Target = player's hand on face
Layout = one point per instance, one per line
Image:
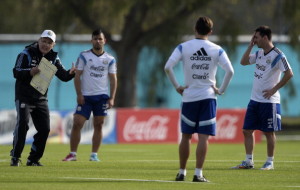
(252, 42)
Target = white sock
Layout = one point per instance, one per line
(249, 157)
(182, 171)
(198, 172)
(270, 159)
(73, 153)
(94, 153)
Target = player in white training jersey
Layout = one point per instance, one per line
(263, 111)
(200, 59)
(95, 83)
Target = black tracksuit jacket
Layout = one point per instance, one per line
(28, 58)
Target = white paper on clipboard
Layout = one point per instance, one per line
(42, 80)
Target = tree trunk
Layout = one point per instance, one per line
(127, 68)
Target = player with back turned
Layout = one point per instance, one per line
(200, 59)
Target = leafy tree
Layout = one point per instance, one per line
(153, 24)
(140, 23)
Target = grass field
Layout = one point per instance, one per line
(143, 167)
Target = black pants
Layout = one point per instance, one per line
(39, 112)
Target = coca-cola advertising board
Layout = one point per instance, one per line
(147, 125)
(163, 126)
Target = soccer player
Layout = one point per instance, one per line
(263, 111)
(30, 102)
(200, 59)
(96, 84)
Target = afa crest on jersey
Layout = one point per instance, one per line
(268, 61)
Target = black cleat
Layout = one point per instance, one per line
(15, 162)
(199, 179)
(180, 177)
(33, 163)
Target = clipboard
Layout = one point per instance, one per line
(42, 80)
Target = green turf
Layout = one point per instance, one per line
(126, 166)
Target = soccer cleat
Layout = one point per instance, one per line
(15, 162)
(244, 165)
(180, 177)
(33, 163)
(94, 158)
(70, 157)
(267, 166)
(199, 179)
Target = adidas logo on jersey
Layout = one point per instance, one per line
(200, 55)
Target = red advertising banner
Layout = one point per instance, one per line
(163, 126)
(147, 126)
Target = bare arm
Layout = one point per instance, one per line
(113, 89)
(77, 84)
(245, 58)
(288, 74)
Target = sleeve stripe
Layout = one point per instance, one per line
(220, 52)
(20, 61)
(277, 58)
(256, 54)
(180, 48)
(83, 58)
(112, 62)
(282, 58)
(285, 64)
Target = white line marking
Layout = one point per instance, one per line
(195, 160)
(6, 160)
(293, 186)
(137, 180)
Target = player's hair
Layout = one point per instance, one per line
(204, 25)
(97, 32)
(264, 31)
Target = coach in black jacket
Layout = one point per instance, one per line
(29, 101)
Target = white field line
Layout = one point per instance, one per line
(143, 180)
(298, 161)
(293, 186)
(136, 180)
